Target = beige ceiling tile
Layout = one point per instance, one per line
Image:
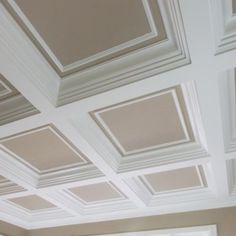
(75, 30)
(146, 123)
(173, 180)
(97, 192)
(32, 202)
(44, 148)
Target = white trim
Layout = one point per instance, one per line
(7, 89)
(224, 22)
(209, 230)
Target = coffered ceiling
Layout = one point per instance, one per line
(115, 109)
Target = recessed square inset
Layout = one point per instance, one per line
(150, 122)
(179, 179)
(80, 29)
(99, 192)
(43, 149)
(32, 203)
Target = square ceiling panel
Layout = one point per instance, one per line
(94, 193)
(89, 31)
(151, 122)
(179, 179)
(32, 203)
(43, 149)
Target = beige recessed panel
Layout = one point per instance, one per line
(79, 31)
(76, 29)
(96, 192)
(150, 122)
(44, 149)
(32, 202)
(174, 179)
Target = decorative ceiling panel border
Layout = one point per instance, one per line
(9, 91)
(14, 211)
(231, 171)
(206, 191)
(74, 203)
(176, 95)
(40, 179)
(166, 55)
(208, 230)
(157, 33)
(13, 105)
(224, 25)
(182, 152)
(163, 56)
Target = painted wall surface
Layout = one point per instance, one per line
(225, 218)
(11, 230)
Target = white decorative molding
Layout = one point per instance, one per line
(224, 25)
(7, 187)
(7, 90)
(72, 201)
(18, 50)
(166, 55)
(231, 171)
(173, 93)
(227, 85)
(15, 108)
(208, 230)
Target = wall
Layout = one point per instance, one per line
(225, 219)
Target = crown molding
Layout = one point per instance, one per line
(227, 85)
(166, 55)
(231, 172)
(224, 25)
(15, 108)
(208, 230)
